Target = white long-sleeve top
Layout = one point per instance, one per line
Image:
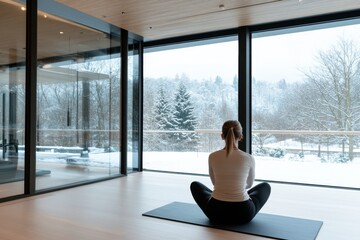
(231, 175)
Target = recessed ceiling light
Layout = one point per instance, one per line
(222, 7)
(45, 16)
(23, 8)
(61, 32)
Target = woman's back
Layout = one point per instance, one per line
(231, 175)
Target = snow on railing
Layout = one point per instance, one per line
(275, 132)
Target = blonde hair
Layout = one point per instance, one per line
(231, 130)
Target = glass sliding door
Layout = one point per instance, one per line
(189, 91)
(306, 104)
(12, 97)
(78, 103)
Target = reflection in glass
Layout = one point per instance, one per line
(12, 98)
(78, 103)
(188, 93)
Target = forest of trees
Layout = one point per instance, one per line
(327, 100)
(174, 108)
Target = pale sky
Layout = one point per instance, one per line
(281, 57)
(273, 58)
(221, 59)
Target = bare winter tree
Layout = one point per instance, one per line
(330, 98)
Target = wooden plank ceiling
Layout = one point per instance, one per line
(159, 19)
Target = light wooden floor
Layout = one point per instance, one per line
(112, 210)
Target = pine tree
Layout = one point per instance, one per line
(163, 111)
(184, 119)
(163, 119)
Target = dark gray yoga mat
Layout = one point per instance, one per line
(265, 225)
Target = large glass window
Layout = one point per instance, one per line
(188, 92)
(78, 103)
(306, 105)
(12, 97)
(133, 105)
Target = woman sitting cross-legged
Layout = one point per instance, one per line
(232, 173)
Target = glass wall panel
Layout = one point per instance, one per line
(306, 105)
(189, 91)
(78, 103)
(12, 97)
(133, 106)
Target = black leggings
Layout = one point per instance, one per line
(230, 212)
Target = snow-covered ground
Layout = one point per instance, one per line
(310, 169)
(289, 168)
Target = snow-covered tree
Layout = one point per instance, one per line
(330, 98)
(163, 116)
(184, 119)
(163, 120)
